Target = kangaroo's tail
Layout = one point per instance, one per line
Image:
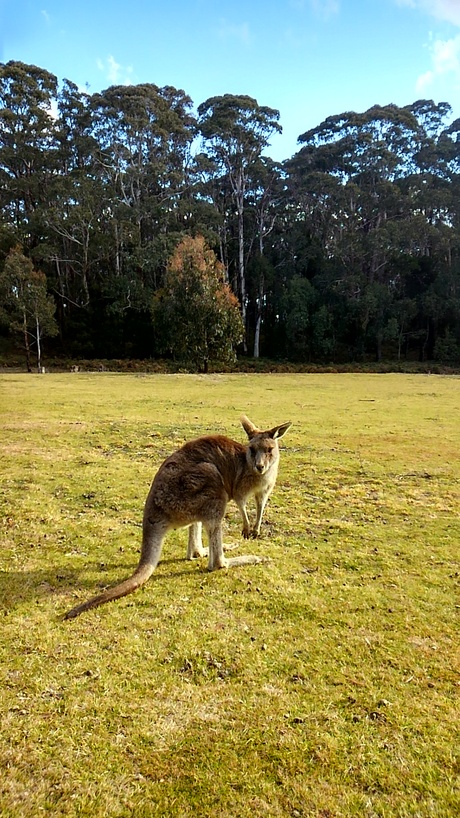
(140, 577)
(152, 540)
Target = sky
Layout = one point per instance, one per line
(309, 59)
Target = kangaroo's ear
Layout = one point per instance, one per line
(279, 431)
(248, 427)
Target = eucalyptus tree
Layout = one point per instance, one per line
(344, 182)
(130, 198)
(144, 133)
(73, 224)
(235, 131)
(376, 191)
(431, 238)
(27, 309)
(213, 196)
(27, 142)
(264, 207)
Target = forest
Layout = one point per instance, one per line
(136, 225)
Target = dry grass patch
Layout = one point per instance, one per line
(324, 683)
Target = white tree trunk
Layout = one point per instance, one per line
(39, 348)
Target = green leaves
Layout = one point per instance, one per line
(196, 316)
(29, 309)
(99, 190)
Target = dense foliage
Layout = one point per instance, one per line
(350, 248)
(195, 314)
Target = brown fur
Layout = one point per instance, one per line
(192, 487)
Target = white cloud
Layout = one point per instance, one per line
(448, 10)
(445, 53)
(46, 16)
(113, 69)
(115, 73)
(424, 81)
(445, 58)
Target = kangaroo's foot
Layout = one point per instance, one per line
(197, 553)
(204, 552)
(244, 559)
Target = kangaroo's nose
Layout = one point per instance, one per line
(260, 467)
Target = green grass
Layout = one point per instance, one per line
(325, 683)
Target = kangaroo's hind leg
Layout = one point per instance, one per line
(217, 559)
(195, 547)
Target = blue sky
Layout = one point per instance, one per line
(308, 58)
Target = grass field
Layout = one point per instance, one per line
(324, 683)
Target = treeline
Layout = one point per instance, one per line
(347, 250)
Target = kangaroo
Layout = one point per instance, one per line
(192, 488)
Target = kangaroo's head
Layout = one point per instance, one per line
(262, 452)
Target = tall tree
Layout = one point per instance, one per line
(353, 178)
(265, 203)
(27, 308)
(27, 140)
(196, 315)
(73, 222)
(235, 131)
(144, 134)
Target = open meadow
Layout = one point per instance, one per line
(324, 683)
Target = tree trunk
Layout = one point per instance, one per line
(117, 251)
(259, 303)
(257, 333)
(39, 348)
(26, 342)
(259, 300)
(238, 186)
(241, 272)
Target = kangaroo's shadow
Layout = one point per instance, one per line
(18, 587)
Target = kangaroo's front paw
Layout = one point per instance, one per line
(251, 534)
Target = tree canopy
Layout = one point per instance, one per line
(195, 314)
(348, 249)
